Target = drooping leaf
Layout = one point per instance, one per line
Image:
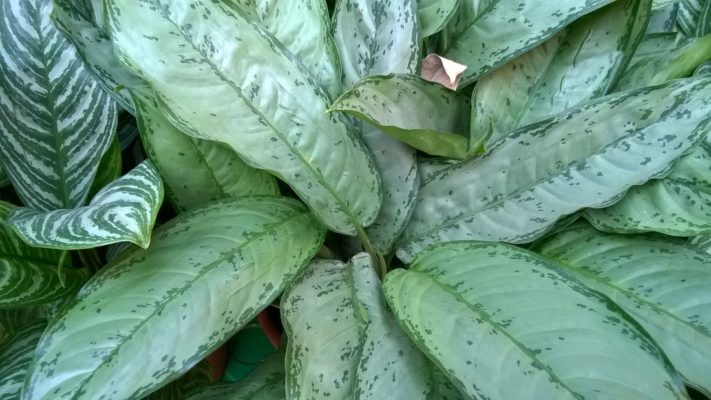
(359, 350)
(207, 273)
(109, 167)
(273, 116)
(663, 19)
(663, 283)
(487, 34)
(422, 114)
(580, 63)
(31, 275)
(123, 211)
(196, 171)
(433, 15)
(55, 120)
(584, 158)
(694, 17)
(677, 205)
(16, 353)
(491, 314)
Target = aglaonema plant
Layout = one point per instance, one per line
(538, 232)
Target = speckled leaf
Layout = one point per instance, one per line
(266, 382)
(677, 205)
(31, 275)
(196, 171)
(207, 273)
(433, 15)
(694, 17)
(512, 316)
(422, 114)
(663, 19)
(487, 34)
(273, 115)
(197, 377)
(663, 283)
(580, 63)
(701, 242)
(429, 167)
(442, 387)
(123, 211)
(16, 353)
(586, 157)
(55, 120)
(343, 342)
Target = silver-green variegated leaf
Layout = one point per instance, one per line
(207, 273)
(266, 382)
(694, 17)
(425, 115)
(663, 19)
(429, 167)
(443, 388)
(16, 354)
(55, 120)
(343, 342)
(580, 63)
(433, 15)
(195, 171)
(701, 242)
(484, 35)
(32, 275)
(489, 314)
(703, 69)
(587, 157)
(663, 283)
(199, 376)
(123, 211)
(219, 75)
(677, 205)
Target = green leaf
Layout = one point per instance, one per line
(487, 34)
(429, 167)
(694, 17)
(580, 63)
(703, 69)
(587, 157)
(663, 18)
(273, 115)
(196, 171)
(55, 120)
(358, 343)
(123, 211)
(491, 315)
(207, 273)
(266, 382)
(663, 283)
(425, 115)
(677, 205)
(433, 15)
(31, 275)
(16, 353)
(197, 377)
(442, 388)
(109, 167)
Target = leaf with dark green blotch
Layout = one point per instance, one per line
(587, 157)
(489, 314)
(433, 15)
(663, 283)
(16, 354)
(206, 274)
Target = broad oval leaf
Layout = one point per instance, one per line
(273, 115)
(663, 283)
(677, 205)
(358, 343)
(195, 171)
(580, 63)
(55, 120)
(512, 316)
(207, 273)
(123, 211)
(487, 34)
(16, 354)
(433, 15)
(586, 157)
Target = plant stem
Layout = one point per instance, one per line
(381, 267)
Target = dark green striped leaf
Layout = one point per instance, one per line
(207, 273)
(123, 211)
(359, 350)
(663, 283)
(55, 120)
(663, 18)
(694, 17)
(491, 314)
(16, 353)
(273, 115)
(433, 15)
(587, 157)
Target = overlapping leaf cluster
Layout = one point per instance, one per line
(541, 232)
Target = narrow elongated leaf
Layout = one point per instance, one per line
(359, 350)
(585, 158)
(694, 17)
(487, 34)
(196, 171)
(273, 116)
(207, 273)
(678, 205)
(663, 19)
(580, 63)
(55, 120)
(663, 283)
(16, 354)
(423, 114)
(123, 211)
(109, 167)
(512, 316)
(433, 15)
